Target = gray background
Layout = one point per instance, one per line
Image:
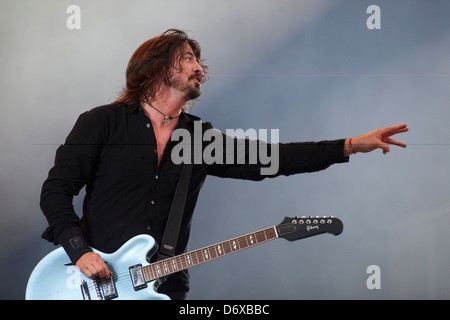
(311, 69)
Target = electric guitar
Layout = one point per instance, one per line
(55, 278)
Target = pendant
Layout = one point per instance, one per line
(166, 120)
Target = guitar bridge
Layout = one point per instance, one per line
(85, 290)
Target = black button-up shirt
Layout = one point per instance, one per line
(112, 152)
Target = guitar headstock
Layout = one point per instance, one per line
(297, 228)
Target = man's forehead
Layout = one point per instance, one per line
(186, 49)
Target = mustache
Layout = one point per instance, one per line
(199, 76)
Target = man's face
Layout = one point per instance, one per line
(187, 77)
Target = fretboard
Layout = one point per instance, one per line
(190, 259)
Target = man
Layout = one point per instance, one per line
(121, 153)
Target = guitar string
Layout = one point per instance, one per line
(123, 277)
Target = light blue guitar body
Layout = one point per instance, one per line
(54, 278)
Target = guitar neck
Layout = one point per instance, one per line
(190, 259)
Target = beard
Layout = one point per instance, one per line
(191, 92)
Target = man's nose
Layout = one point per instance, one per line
(198, 70)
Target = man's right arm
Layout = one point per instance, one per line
(75, 162)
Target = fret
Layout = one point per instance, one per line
(213, 252)
(147, 274)
(260, 237)
(194, 258)
(174, 265)
(158, 270)
(198, 257)
(218, 249)
(251, 239)
(272, 233)
(153, 273)
(202, 256)
(242, 243)
(180, 259)
(234, 245)
(226, 247)
(206, 255)
(179, 265)
(189, 259)
(154, 276)
(218, 253)
(183, 262)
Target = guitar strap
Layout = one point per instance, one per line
(170, 237)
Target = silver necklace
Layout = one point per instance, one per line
(167, 118)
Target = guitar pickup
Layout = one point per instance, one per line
(137, 277)
(108, 288)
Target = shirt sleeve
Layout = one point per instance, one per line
(74, 165)
(257, 160)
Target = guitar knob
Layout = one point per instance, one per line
(294, 221)
(322, 221)
(329, 221)
(315, 221)
(308, 221)
(301, 221)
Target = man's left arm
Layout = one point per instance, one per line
(301, 157)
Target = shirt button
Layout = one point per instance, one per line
(156, 177)
(155, 150)
(148, 125)
(148, 228)
(152, 202)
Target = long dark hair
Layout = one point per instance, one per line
(150, 65)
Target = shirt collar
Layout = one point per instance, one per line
(185, 118)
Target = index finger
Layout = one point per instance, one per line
(103, 270)
(395, 129)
